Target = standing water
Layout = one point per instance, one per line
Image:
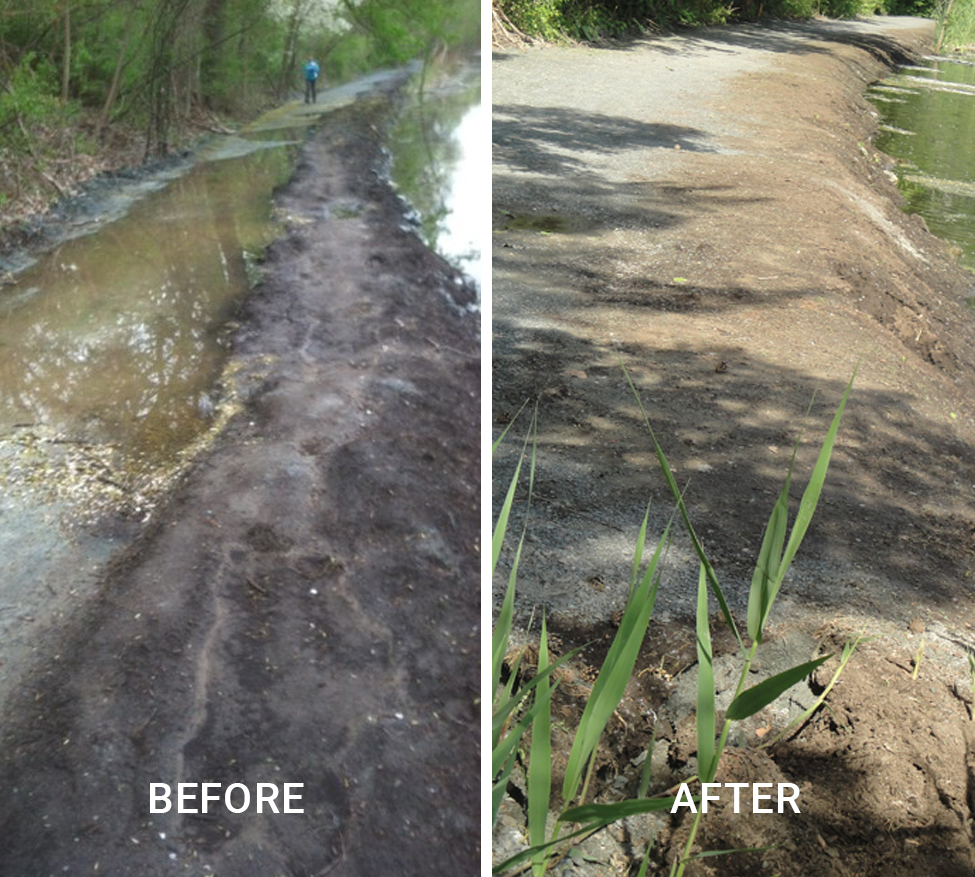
(116, 336)
(113, 346)
(438, 151)
(119, 336)
(927, 119)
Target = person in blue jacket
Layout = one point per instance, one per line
(311, 81)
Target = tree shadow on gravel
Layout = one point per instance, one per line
(558, 140)
(793, 38)
(587, 201)
(895, 519)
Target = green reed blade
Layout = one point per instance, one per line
(767, 565)
(610, 685)
(706, 720)
(501, 527)
(596, 815)
(751, 700)
(695, 541)
(638, 554)
(540, 762)
(510, 700)
(524, 855)
(807, 507)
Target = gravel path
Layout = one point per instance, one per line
(633, 166)
(708, 210)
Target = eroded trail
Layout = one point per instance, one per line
(306, 608)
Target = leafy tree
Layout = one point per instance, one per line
(405, 29)
(70, 69)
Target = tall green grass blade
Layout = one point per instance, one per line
(770, 554)
(503, 758)
(751, 700)
(510, 701)
(647, 769)
(504, 432)
(501, 527)
(505, 703)
(641, 541)
(540, 763)
(807, 507)
(617, 668)
(503, 753)
(767, 565)
(502, 629)
(597, 815)
(645, 864)
(706, 720)
(525, 855)
(695, 541)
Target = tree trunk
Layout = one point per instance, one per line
(120, 65)
(163, 85)
(66, 60)
(944, 27)
(289, 53)
(214, 25)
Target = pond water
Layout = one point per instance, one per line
(927, 120)
(115, 336)
(438, 155)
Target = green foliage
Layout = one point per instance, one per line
(539, 17)
(589, 19)
(27, 106)
(841, 8)
(157, 63)
(957, 23)
(29, 97)
(351, 56)
(617, 668)
(907, 7)
(512, 718)
(401, 30)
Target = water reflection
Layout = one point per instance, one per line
(116, 336)
(927, 115)
(439, 155)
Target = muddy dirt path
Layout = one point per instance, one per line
(708, 210)
(305, 609)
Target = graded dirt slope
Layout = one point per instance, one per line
(708, 211)
(305, 610)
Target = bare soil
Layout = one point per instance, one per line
(305, 607)
(708, 211)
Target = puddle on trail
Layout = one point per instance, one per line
(927, 116)
(116, 336)
(109, 347)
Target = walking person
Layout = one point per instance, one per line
(311, 81)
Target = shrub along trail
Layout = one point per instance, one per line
(708, 210)
(305, 608)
